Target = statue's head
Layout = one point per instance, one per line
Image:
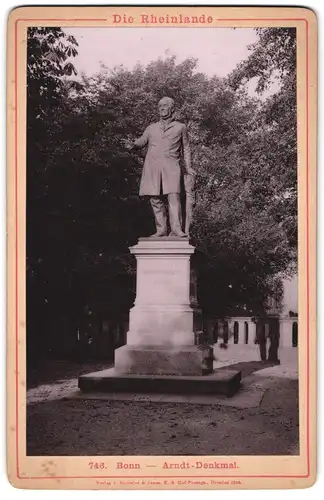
(166, 107)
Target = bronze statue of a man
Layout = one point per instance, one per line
(167, 140)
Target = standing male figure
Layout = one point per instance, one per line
(167, 140)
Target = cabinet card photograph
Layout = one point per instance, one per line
(161, 185)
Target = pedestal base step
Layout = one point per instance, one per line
(163, 360)
(221, 381)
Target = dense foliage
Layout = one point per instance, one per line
(82, 199)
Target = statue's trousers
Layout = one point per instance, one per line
(160, 214)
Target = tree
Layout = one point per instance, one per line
(273, 60)
(48, 60)
(85, 198)
(49, 51)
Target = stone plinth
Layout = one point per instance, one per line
(165, 316)
(160, 355)
(224, 381)
(185, 360)
(162, 314)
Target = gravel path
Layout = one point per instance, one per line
(93, 427)
(59, 425)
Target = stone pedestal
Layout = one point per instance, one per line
(161, 355)
(165, 316)
(157, 360)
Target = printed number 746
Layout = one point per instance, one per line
(97, 465)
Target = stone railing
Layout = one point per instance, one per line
(242, 330)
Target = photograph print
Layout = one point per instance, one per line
(161, 243)
(161, 236)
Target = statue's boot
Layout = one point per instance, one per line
(160, 216)
(175, 215)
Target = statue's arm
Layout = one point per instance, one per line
(142, 141)
(186, 152)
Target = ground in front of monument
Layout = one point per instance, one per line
(261, 419)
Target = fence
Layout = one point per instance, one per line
(242, 330)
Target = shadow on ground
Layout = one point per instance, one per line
(249, 367)
(52, 371)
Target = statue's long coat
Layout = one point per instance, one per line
(166, 142)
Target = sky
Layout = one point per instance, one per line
(218, 50)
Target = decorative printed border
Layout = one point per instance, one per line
(307, 259)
